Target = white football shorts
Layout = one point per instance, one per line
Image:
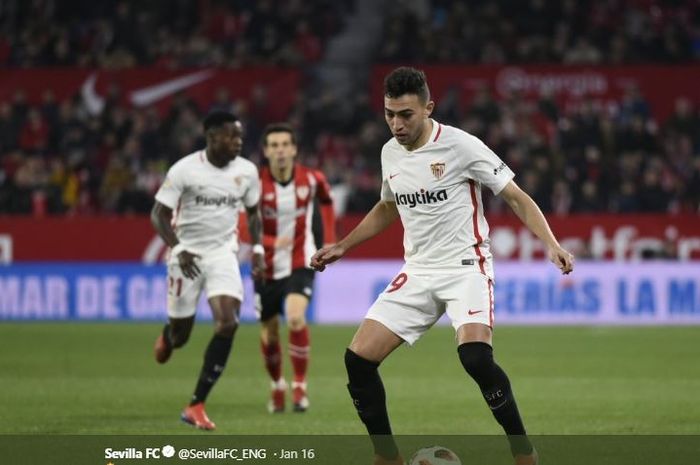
(416, 299)
(220, 275)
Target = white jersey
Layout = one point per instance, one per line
(206, 200)
(437, 190)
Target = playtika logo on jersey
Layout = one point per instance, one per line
(227, 200)
(423, 197)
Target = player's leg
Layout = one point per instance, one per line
(296, 303)
(476, 354)
(272, 356)
(472, 316)
(299, 347)
(225, 310)
(268, 305)
(372, 343)
(183, 294)
(175, 334)
(402, 313)
(225, 293)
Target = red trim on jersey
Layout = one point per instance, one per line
(201, 156)
(490, 303)
(475, 223)
(268, 202)
(438, 132)
(301, 180)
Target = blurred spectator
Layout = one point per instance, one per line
(585, 157)
(34, 135)
(541, 31)
(122, 34)
(652, 196)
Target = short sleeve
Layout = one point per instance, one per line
(323, 191)
(252, 194)
(484, 166)
(172, 188)
(386, 194)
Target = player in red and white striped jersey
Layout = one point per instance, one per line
(290, 193)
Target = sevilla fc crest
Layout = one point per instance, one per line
(302, 192)
(438, 169)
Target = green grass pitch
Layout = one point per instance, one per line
(102, 379)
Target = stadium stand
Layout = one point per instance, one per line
(58, 158)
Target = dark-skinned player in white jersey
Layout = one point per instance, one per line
(196, 214)
(432, 178)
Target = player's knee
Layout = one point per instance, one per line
(271, 331)
(476, 358)
(296, 322)
(225, 327)
(365, 387)
(179, 337)
(360, 370)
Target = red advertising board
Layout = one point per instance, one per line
(609, 237)
(659, 85)
(144, 87)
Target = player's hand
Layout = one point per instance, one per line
(326, 256)
(258, 271)
(188, 265)
(562, 259)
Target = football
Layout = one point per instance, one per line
(434, 455)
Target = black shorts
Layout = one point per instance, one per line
(270, 296)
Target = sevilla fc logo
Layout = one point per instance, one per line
(438, 169)
(302, 192)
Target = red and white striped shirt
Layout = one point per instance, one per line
(287, 212)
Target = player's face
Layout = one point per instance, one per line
(280, 150)
(227, 141)
(406, 117)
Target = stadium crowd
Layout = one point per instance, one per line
(57, 158)
(543, 31)
(174, 34)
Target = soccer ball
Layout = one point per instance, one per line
(435, 455)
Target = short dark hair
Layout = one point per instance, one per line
(406, 80)
(278, 127)
(218, 118)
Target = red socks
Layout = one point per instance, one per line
(272, 354)
(299, 352)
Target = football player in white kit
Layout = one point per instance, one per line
(432, 179)
(196, 214)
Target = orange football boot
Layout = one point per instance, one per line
(197, 417)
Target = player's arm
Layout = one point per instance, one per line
(325, 202)
(256, 238)
(161, 215)
(377, 220)
(531, 215)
